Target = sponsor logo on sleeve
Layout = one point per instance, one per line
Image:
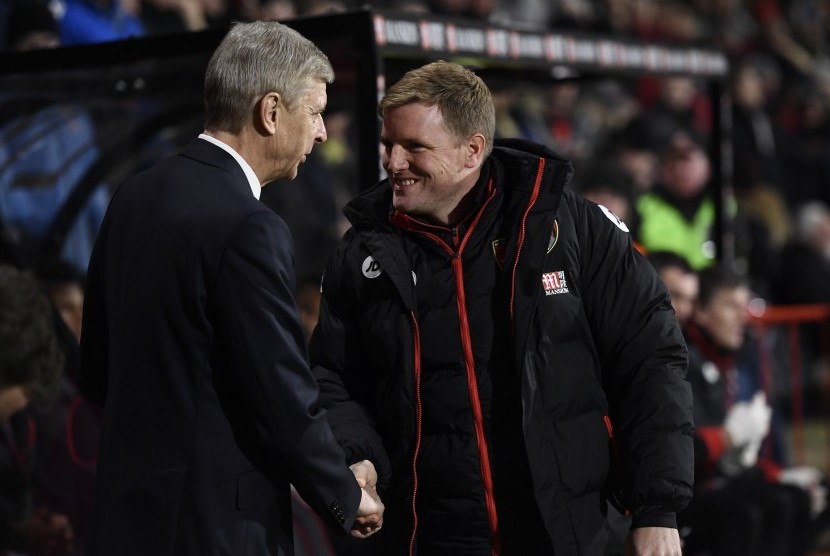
(371, 268)
(613, 218)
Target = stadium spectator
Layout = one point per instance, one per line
(679, 214)
(30, 369)
(743, 504)
(680, 280)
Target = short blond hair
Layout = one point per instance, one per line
(465, 102)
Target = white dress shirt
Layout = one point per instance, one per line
(253, 181)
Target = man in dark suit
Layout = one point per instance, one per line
(191, 338)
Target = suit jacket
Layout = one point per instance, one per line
(192, 344)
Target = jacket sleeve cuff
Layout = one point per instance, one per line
(654, 518)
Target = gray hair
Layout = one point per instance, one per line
(254, 59)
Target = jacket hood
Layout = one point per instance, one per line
(523, 147)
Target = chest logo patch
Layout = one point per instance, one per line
(371, 268)
(500, 251)
(554, 282)
(554, 236)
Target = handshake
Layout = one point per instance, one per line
(370, 512)
(746, 426)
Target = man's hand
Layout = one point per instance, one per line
(364, 472)
(653, 541)
(370, 512)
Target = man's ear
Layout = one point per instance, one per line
(475, 150)
(268, 110)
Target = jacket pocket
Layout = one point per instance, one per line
(582, 447)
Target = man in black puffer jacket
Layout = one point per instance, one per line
(480, 332)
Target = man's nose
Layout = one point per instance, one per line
(322, 135)
(396, 159)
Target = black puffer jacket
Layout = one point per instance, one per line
(594, 342)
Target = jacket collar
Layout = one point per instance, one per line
(208, 153)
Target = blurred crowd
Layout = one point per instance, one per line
(641, 146)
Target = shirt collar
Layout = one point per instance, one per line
(253, 181)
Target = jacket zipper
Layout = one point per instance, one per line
(418, 422)
(533, 196)
(475, 404)
(472, 382)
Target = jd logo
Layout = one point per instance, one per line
(371, 268)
